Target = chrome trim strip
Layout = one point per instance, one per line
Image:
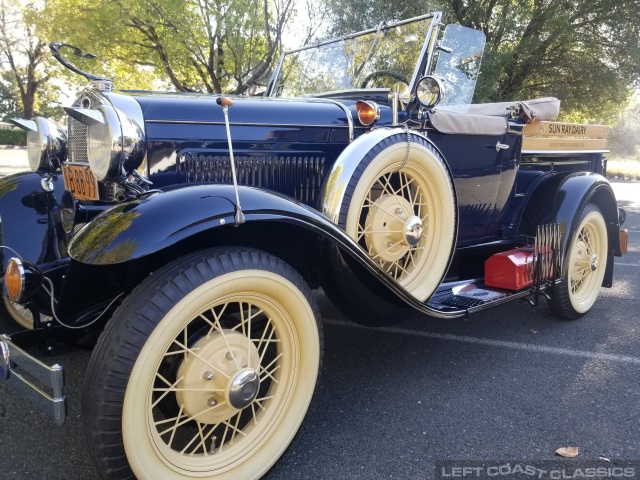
(52, 377)
(347, 112)
(252, 124)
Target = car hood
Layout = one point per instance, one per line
(202, 108)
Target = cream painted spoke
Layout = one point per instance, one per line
(169, 420)
(173, 433)
(393, 215)
(236, 429)
(205, 437)
(386, 186)
(222, 335)
(375, 257)
(224, 436)
(181, 351)
(253, 412)
(167, 390)
(266, 367)
(188, 419)
(203, 360)
(233, 428)
(268, 374)
(269, 327)
(193, 439)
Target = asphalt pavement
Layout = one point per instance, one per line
(512, 384)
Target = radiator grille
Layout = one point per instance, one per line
(77, 131)
(297, 177)
(77, 134)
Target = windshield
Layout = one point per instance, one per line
(458, 69)
(375, 59)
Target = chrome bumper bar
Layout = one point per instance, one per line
(18, 369)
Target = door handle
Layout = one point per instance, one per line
(501, 146)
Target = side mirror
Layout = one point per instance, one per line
(429, 91)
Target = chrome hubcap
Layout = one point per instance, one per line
(413, 231)
(243, 388)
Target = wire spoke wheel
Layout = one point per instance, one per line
(585, 266)
(233, 377)
(223, 379)
(393, 224)
(402, 213)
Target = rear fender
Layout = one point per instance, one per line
(202, 216)
(560, 199)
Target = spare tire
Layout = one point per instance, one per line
(400, 206)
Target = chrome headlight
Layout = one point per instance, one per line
(429, 91)
(115, 143)
(46, 143)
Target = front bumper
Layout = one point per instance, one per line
(23, 372)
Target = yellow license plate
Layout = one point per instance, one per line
(79, 180)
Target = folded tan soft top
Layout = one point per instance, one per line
(491, 118)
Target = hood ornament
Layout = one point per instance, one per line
(101, 83)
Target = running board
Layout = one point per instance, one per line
(471, 296)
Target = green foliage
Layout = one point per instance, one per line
(24, 57)
(9, 103)
(585, 52)
(191, 45)
(624, 137)
(13, 137)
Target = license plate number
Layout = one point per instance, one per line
(79, 180)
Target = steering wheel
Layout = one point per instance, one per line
(384, 73)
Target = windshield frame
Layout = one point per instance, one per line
(423, 63)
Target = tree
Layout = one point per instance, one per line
(192, 45)
(585, 52)
(22, 52)
(624, 137)
(9, 106)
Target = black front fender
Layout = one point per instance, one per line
(28, 218)
(143, 228)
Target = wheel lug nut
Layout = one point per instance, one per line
(230, 356)
(208, 376)
(390, 244)
(398, 211)
(212, 402)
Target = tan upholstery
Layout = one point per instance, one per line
(491, 118)
(467, 124)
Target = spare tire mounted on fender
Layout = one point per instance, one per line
(399, 205)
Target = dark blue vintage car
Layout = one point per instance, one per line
(187, 231)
